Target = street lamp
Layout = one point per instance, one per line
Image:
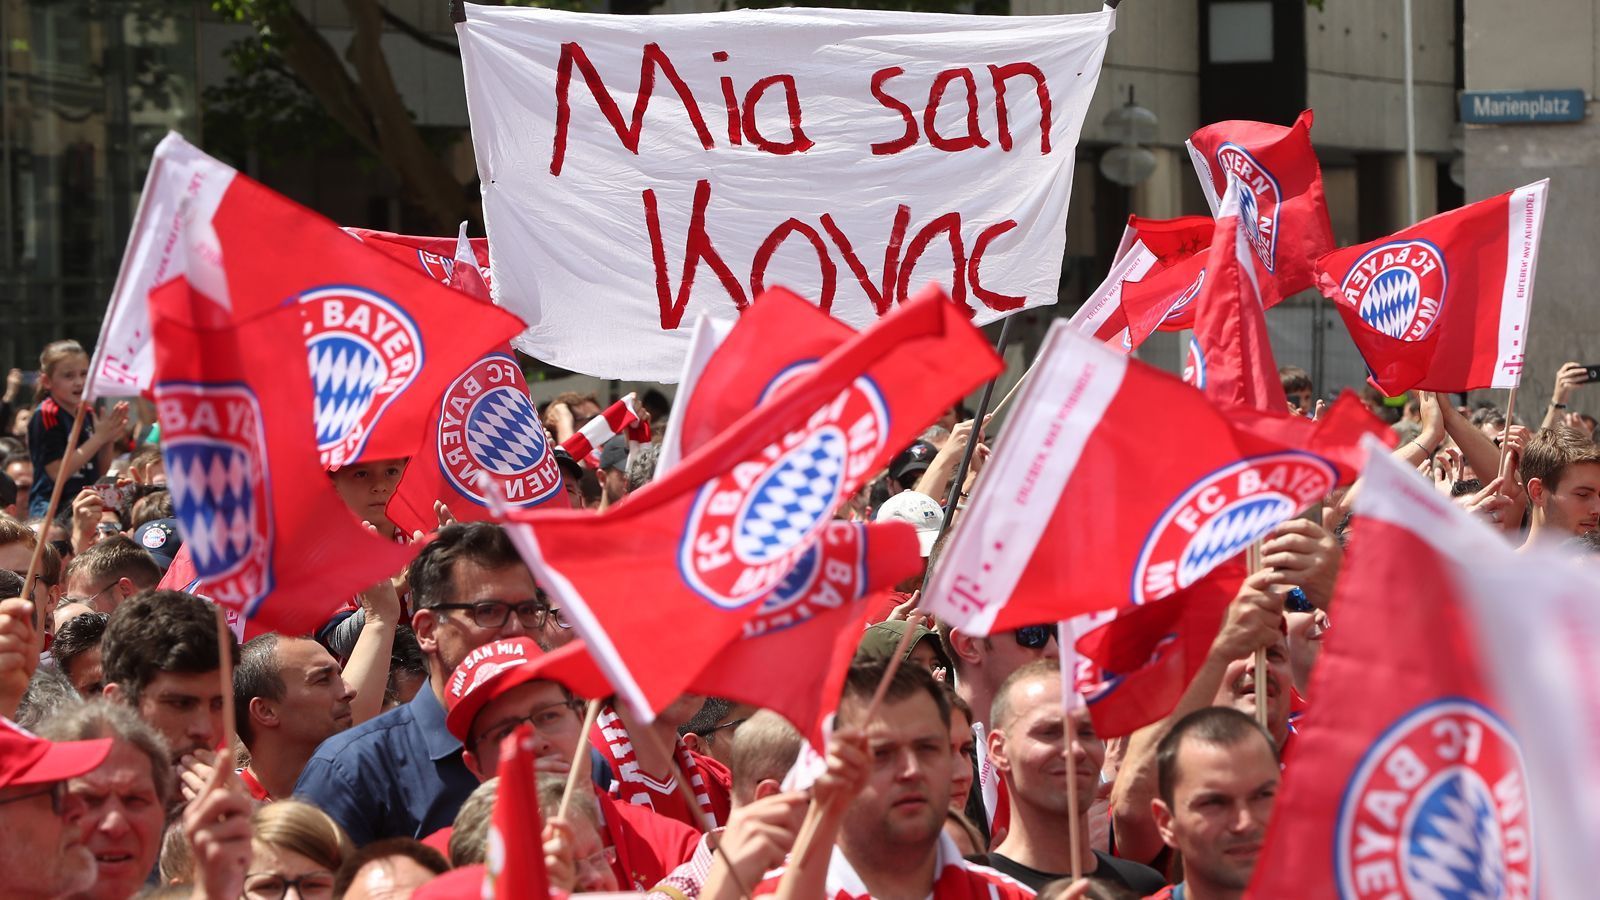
(1131, 126)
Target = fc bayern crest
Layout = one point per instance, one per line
(1260, 198)
(488, 427)
(1181, 304)
(832, 572)
(213, 446)
(364, 352)
(1223, 513)
(1398, 288)
(1194, 365)
(1438, 807)
(438, 266)
(748, 529)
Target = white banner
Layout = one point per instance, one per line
(638, 171)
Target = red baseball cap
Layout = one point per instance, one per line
(498, 666)
(26, 758)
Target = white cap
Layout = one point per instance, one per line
(918, 509)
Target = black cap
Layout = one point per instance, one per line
(571, 470)
(913, 460)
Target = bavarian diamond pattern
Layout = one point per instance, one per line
(213, 497)
(1454, 851)
(345, 373)
(503, 432)
(1230, 531)
(791, 498)
(1391, 301)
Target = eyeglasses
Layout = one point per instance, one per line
(709, 734)
(89, 600)
(1035, 637)
(268, 886)
(58, 796)
(550, 720)
(533, 614)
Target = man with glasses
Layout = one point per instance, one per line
(110, 572)
(44, 853)
(508, 683)
(710, 732)
(402, 773)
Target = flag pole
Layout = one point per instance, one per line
(1064, 634)
(1253, 563)
(225, 673)
(580, 760)
(62, 477)
(1505, 446)
(1013, 392)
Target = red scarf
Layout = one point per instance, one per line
(632, 785)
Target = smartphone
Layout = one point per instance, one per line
(1591, 373)
(111, 495)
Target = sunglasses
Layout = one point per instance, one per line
(1034, 637)
(1298, 602)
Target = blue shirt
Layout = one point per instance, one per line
(398, 775)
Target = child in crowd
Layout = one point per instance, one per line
(63, 371)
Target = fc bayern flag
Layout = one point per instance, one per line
(515, 852)
(1054, 531)
(1149, 248)
(1407, 780)
(1139, 664)
(692, 554)
(741, 370)
(1443, 305)
(433, 256)
(1230, 320)
(267, 533)
(485, 440)
(1285, 212)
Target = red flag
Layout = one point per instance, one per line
(485, 440)
(1083, 509)
(1285, 212)
(1141, 662)
(435, 256)
(704, 544)
(1121, 312)
(1406, 780)
(515, 858)
(466, 275)
(1443, 305)
(383, 342)
(266, 532)
(1230, 324)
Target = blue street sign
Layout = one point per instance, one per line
(1498, 107)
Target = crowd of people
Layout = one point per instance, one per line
(361, 760)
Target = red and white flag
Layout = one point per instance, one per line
(1149, 249)
(435, 256)
(1408, 781)
(1285, 212)
(514, 858)
(1443, 305)
(618, 418)
(1230, 320)
(1054, 529)
(695, 553)
(266, 533)
(745, 373)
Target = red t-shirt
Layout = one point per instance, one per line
(440, 840)
(648, 845)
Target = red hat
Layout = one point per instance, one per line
(500, 665)
(465, 883)
(27, 759)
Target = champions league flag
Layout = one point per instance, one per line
(1443, 305)
(1136, 667)
(267, 534)
(1282, 204)
(1407, 781)
(1054, 530)
(1230, 321)
(714, 538)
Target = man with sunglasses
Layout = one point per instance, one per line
(508, 683)
(44, 851)
(402, 774)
